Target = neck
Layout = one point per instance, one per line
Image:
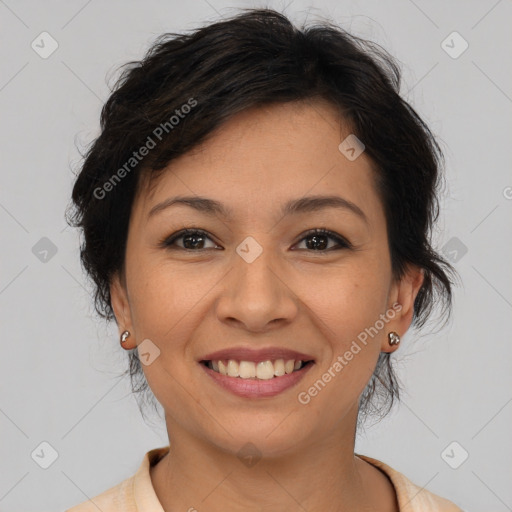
(324, 476)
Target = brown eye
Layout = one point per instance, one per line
(317, 240)
(192, 240)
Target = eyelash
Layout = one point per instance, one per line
(342, 242)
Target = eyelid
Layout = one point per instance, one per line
(342, 242)
(168, 241)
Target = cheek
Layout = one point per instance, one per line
(164, 307)
(161, 296)
(349, 306)
(349, 299)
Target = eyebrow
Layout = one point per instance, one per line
(307, 204)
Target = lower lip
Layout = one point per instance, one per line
(257, 388)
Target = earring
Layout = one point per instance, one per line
(393, 338)
(125, 336)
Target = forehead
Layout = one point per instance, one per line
(265, 156)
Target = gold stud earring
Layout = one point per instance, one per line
(393, 338)
(125, 336)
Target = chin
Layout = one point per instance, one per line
(267, 435)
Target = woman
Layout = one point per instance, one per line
(256, 216)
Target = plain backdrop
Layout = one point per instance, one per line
(60, 392)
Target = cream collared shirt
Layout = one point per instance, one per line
(136, 493)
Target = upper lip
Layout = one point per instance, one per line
(256, 355)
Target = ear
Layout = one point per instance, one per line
(121, 307)
(403, 292)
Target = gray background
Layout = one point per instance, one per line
(60, 364)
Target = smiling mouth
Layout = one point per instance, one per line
(262, 370)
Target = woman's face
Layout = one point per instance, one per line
(256, 286)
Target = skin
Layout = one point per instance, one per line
(192, 303)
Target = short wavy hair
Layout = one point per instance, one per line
(254, 59)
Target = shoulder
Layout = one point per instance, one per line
(412, 498)
(116, 498)
(132, 494)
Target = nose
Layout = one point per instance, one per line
(256, 296)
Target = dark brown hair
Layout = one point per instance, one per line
(186, 86)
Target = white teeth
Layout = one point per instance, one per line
(279, 368)
(233, 368)
(247, 369)
(264, 370)
(289, 365)
(222, 368)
